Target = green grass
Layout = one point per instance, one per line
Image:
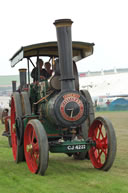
(66, 175)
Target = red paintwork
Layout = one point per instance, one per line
(98, 154)
(32, 157)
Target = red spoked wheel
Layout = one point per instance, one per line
(18, 151)
(103, 154)
(36, 147)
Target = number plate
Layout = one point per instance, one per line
(76, 147)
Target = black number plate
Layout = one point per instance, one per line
(76, 147)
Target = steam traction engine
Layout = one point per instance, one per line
(54, 115)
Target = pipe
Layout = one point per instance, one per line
(28, 71)
(23, 82)
(63, 28)
(13, 86)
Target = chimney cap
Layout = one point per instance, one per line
(63, 22)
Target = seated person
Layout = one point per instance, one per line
(48, 68)
(43, 73)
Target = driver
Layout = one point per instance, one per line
(43, 73)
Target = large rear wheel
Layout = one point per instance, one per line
(103, 154)
(36, 147)
(16, 112)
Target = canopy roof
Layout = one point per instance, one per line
(80, 51)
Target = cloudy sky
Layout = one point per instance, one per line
(103, 22)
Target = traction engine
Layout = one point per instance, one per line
(55, 116)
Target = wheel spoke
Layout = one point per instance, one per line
(30, 156)
(103, 150)
(99, 156)
(35, 159)
(95, 132)
(33, 135)
(100, 132)
(105, 142)
(35, 147)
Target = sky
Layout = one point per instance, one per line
(103, 22)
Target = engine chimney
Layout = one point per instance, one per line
(63, 28)
(13, 86)
(23, 81)
(69, 108)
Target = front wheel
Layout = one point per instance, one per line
(103, 154)
(36, 147)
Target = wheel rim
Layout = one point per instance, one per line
(13, 129)
(98, 154)
(31, 148)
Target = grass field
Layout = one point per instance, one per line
(65, 175)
